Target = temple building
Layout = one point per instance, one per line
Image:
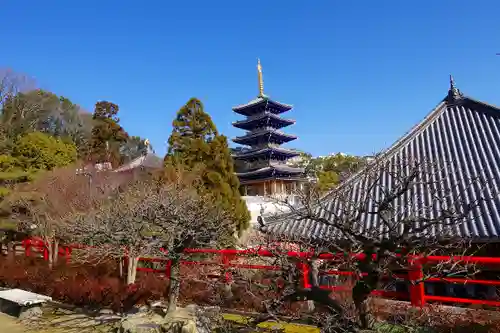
(459, 140)
(261, 166)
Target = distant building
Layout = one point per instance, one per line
(262, 168)
(148, 161)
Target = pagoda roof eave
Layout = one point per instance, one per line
(262, 151)
(244, 124)
(274, 133)
(248, 126)
(254, 141)
(265, 170)
(271, 178)
(261, 100)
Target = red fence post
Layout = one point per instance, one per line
(417, 290)
(46, 252)
(67, 250)
(305, 274)
(226, 258)
(168, 268)
(27, 247)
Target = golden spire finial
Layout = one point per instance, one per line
(261, 80)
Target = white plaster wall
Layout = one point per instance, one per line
(270, 207)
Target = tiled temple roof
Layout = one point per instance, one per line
(271, 172)
(276, 167)
(243, 154)
(462, 133)
(247, 123)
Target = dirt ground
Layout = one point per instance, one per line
(81, 324)
(11, 325)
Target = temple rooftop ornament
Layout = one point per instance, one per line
(261, 79)
(454, 93)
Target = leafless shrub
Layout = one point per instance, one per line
(12, 83)
(436, 318)
(18, 112)
(39, 207)
(149, 216)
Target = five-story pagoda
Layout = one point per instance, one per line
(261, 167)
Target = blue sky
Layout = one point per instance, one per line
(359, 73)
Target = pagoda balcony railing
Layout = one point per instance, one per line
(262, 163)
(259, 147)
(258, 130)
(257, 164)
(255, 116)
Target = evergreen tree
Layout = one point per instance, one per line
(196, 145)
(32, 153)
(107, 134)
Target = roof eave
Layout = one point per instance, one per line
(271, 168)
(248, 105)
(488, 105)
(288, 122)
(271, 133)
(242, 157)
(278, 150)
(260, 100)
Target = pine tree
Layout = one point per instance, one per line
(196, 145)
(107, 134)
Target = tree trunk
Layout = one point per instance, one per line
(11, 250)
(55, 252)
(360, 295)
(314, 273)
(120, 267)
(314, 280)
(363, 313)
(50, 254)
(132, 269)
(174, 287)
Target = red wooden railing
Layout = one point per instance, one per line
(415, 275)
